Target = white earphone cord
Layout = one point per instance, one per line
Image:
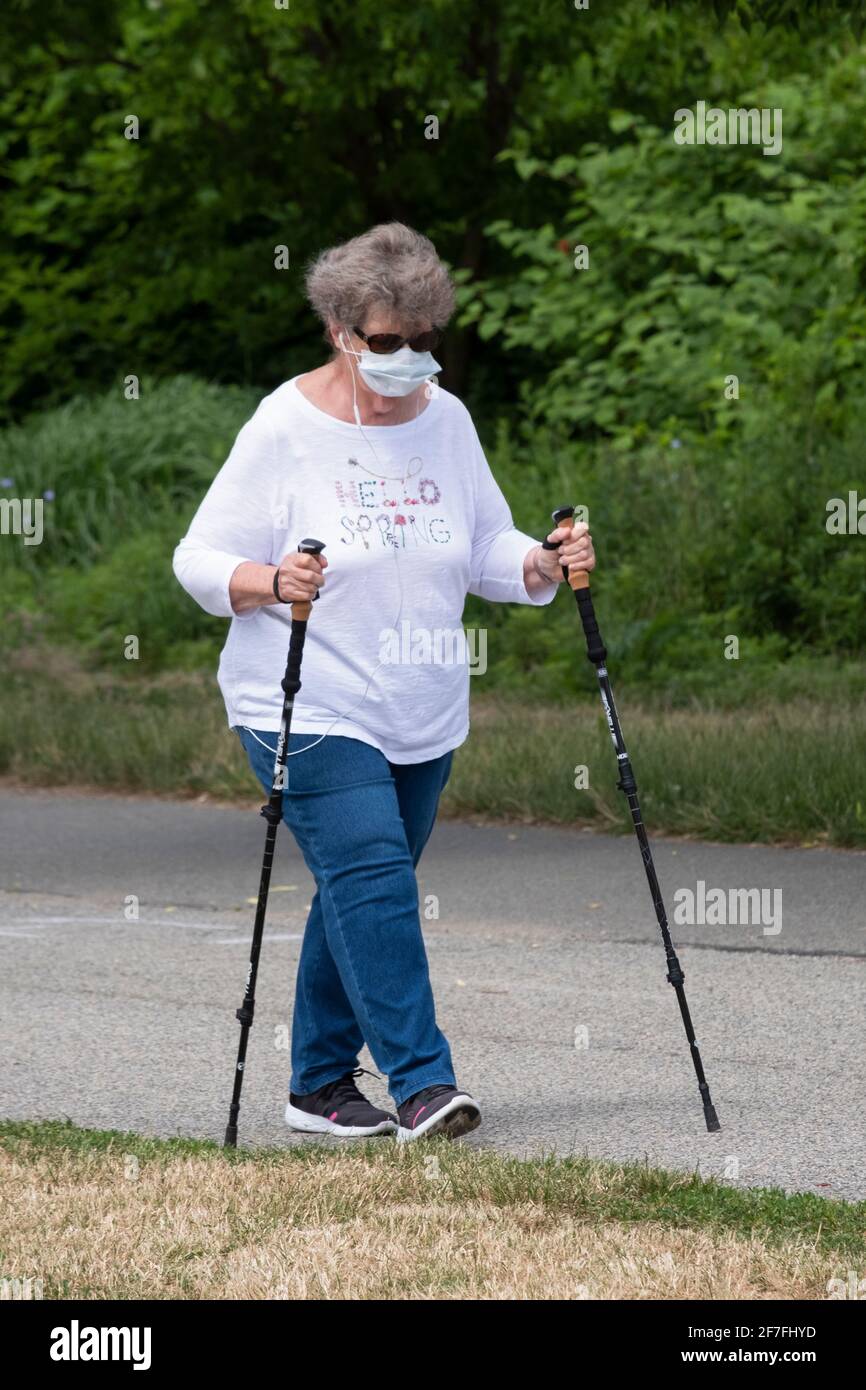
(352, 708)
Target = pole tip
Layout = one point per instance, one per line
(711, 1117)
(231, 1139)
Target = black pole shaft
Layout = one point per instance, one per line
(597, 654)
(628, 785)
(273, 812)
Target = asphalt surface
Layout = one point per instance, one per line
(547, 968)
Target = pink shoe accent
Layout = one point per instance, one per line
(334, 1116)
(418, 1116)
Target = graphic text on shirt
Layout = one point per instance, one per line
(373, 507)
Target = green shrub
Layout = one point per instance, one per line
(695, 544)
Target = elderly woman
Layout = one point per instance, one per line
(369, 455)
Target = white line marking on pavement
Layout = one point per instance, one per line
(43, 923)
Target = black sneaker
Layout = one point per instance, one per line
(437, 1110)
(339, 1108)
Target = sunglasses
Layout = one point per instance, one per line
(391, 342)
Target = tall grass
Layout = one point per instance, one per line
(115, 465)
(783, 773)
(790, 773)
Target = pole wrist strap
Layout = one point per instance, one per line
(277, 587)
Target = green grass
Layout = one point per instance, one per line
(591, 1190)
(779, 773)
(166, 735)
(784, 773)
(114, 466)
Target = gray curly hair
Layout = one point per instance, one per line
(390, 265)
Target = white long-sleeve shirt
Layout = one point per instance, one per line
(379, 661)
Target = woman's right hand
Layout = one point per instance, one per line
(301, 576)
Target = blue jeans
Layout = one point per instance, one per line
(361, 823)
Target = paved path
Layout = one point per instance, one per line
(545, 938)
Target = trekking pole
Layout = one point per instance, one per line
(578, 580)
(273, 813)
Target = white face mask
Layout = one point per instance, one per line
(395, 373)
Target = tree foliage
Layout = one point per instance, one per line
(262, 127)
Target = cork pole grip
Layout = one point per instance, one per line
(578, 579)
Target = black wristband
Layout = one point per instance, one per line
(277, 587)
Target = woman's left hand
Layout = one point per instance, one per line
(574, 549)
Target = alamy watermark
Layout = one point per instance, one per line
(20, 1290)
(852, 1287)
(735, 126)
(22, 516)
(440, 646)
(846, 516)
(77, 1343)
(734, 907)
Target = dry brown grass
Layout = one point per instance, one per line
(351, 1225)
